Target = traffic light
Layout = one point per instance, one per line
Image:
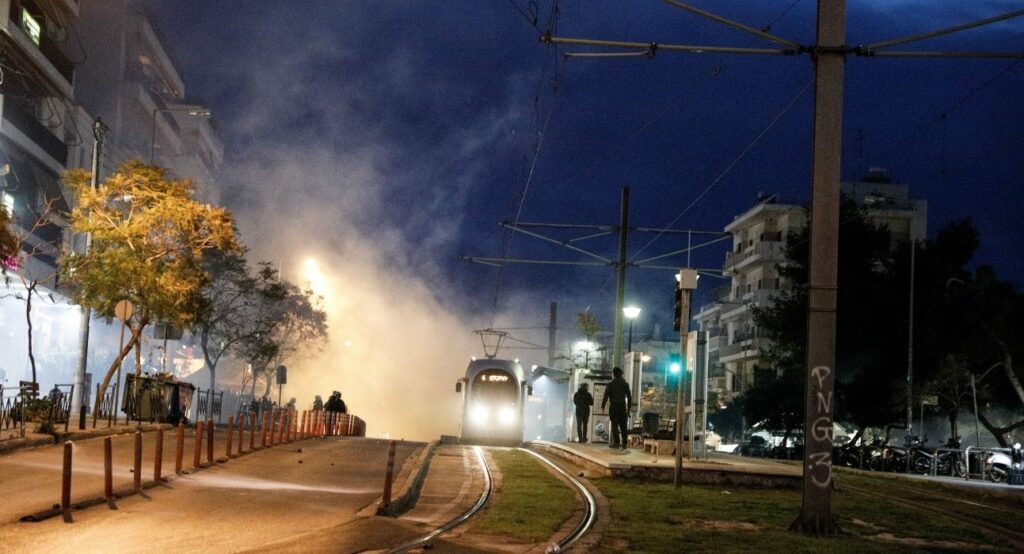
(677, 313)
(674, 364)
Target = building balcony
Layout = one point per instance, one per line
(762, 252)
(36, 132)
(749, 347)
(44, 45)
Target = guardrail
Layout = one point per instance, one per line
(981, 450)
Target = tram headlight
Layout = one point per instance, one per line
(507, 415)
(478, 414)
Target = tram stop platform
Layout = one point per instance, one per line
(717, 468)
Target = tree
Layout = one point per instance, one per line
(297, 329)
(233, 309)
(149, 235)
(28, 247)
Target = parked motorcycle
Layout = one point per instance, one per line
(948, 462)
(997, 466)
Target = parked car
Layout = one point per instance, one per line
(754, 446)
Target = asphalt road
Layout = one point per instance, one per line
(258, 499)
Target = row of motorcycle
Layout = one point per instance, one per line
(879, 455)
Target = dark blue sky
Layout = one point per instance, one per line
(412, 125)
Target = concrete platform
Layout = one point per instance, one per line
(717, 468)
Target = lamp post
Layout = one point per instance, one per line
(631, 313)
(192, 111)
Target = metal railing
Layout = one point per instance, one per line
(983, 451)
(12, 411)
(60, 404)
(202, 403)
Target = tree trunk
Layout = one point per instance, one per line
(952, 424)
(1010, 375)
(125, 350)
(30, 288)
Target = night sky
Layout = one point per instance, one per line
(407, 130)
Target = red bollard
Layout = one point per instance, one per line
(198, 450)
(137, 477)
(241, 433)
(158, 460)
(65, 485)
(108, 470)
(389, 474)
(231, 433)
(252, 432)
(179, 448)
(209, 441)
(263, 431)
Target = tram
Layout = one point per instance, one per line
(493, 393)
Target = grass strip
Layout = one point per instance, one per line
(654, 517)
(531, 505)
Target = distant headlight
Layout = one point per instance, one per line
(478, 414)
(507, 415)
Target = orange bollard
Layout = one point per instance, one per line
(137, 477)
(65, 485)
(198, 450)
(158, 459)
(263, 431)
(179, 448)
(108, 469)
(302, 426)
(209, 441)
(389, 474)
(231, 433)
(241, 433)
(252, 432)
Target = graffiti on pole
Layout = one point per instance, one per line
(820, 463)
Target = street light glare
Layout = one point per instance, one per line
(631, 312)
(675, 367)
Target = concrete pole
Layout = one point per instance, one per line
(620, 285)
(78, 394)
(910, 345)
(684, 330)
(552, 328)
(829, 58)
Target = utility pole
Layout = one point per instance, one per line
(552, 328)
(620, 277)
(687, 282)
(80, 394)
(910, 346)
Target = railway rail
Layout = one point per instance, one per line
(586, 522)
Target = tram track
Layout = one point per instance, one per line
(586, 521)
(996, 529)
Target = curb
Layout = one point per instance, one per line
(14, 445)
(410, 492)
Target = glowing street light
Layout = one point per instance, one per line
(631, 313)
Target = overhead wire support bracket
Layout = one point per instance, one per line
(938, 32)
(645, 47)
(566, 244)
(498, 262)
(736, 25)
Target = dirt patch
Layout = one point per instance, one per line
(928, 544)
(865, 524)
(715, 524)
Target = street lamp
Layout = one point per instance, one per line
(631, 313)
(195, 112)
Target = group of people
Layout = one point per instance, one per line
(334, 404)
(617, 398)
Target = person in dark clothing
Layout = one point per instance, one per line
(583, 401)
(617, 392)
(334, 403)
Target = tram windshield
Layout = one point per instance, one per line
(495, 387)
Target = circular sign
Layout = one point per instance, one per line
(124, 310)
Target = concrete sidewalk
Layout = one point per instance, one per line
(33, 440)
(716, 468)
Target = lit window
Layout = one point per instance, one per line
(31, 26)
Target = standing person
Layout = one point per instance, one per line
(583, 401)
(342, 408)
(334, 406)
(617, 392)
(318, 403)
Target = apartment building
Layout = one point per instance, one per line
(132, 82)
(759, 241)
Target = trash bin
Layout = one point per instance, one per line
(1016, 476)
(652, 421)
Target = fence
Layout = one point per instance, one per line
(12, 411)
(60, 404)
(202, 403)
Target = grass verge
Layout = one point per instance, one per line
(532, 503)
(653, 517)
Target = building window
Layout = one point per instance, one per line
(32, 27)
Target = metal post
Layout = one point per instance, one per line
(108, 471)
(910, 343)
(179, 448)
(209, 441)
(389, 474)
(86, 316)
(684, 330)
(65, 484)
(977, 428)
(231, 433)
(137, 468)
(158, 459)
(829, 57)
(252, 432)
(552, 328)
(620, 281)
(197, 452)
